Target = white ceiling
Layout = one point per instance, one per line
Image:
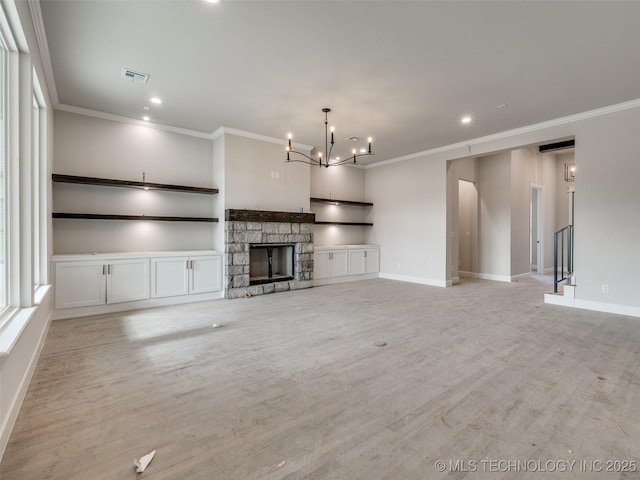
(402, 72)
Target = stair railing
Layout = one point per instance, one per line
(562, 256)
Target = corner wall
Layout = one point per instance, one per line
(607, 216)
(410, 219)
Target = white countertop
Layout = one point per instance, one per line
(343, 247)
(124, 255)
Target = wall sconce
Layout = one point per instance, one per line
(569, 172)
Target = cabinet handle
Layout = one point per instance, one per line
(365, 254)
(109, 269)
(330, 256)
(187, 262)
(104, 269)
(191, 262)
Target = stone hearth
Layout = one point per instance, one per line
(246, 227)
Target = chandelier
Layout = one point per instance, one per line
(328, 161)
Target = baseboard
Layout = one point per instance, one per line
(558, 299)
(420, 280)
(570, 301)
(467, 274)
(347, 278)
(495, 278)
(628, 310)
(17, 367)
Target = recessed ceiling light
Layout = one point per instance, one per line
(145, 108)
(466, 119)
(212, 1)
(146, 118)
(502, 105)
(156, 100)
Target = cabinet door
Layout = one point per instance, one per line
(372, 261)
(321, 265)
(128, 280)
(356, 262)
(205, 274)
(339, 264)
(80, 284)
(169, 277)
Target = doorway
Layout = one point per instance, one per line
(467, 228)
(536, 248)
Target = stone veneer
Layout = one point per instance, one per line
(239, 234)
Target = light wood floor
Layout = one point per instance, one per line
(291, 387)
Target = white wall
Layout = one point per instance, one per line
(93, 147)
(494, 219)
(524, 172)
(607, 223)
(257, 176)
(563, 191)
(410, 219)
(530, 167)
(550, 181)
(341, 183)
(219, 202)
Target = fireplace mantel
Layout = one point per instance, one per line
(233, 215)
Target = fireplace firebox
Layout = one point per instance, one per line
(271, 262)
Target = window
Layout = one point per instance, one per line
(39, 184)
(35, 168)
(3, 174)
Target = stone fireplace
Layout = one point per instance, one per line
(267, 252)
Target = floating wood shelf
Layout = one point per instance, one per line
(108, 182)
(96, 216)
(359, 224)
(233, 215)
(340, 202)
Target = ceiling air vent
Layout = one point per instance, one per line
(134, 77)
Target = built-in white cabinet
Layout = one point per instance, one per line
(330, 264)
(185, 275)
(364, 260)
(88, 284)
(345, 263)
(83, 284)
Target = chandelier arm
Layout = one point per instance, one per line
(349, 159)
(308, 160)
(312, 162)
(315, 162)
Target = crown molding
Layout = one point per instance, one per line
(43, 46)
(256, 136)
(132, 121)
(618, 107)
